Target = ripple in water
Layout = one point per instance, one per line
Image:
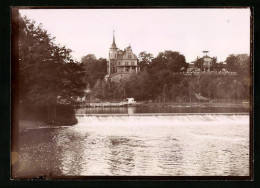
(191, 145)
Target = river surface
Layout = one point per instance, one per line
(154, 145)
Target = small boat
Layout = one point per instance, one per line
(129, 102)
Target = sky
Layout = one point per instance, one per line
(189, 31)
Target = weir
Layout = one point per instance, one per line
(133, 120)
(162, 114)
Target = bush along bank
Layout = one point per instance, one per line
(52, 115)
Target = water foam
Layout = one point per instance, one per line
(162, 120)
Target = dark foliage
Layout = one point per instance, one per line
(47, 73)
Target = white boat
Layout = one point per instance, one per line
(129, 102)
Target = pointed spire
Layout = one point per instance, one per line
(114, 37)
(113, 44)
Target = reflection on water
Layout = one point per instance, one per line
(134, 110)
(191, 145)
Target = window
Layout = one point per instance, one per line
(126, 63)
(118, 62)
(129, 56)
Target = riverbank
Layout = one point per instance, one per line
(236, 104)
(196, 104)
(38, 116)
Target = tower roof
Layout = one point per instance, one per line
(113, 44)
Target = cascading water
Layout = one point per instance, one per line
(167, 145)
(164, 120)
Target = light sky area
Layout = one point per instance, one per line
(189, 31)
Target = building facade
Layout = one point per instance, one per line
(121, 63)
(205, 64)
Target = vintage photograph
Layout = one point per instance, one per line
(131, 92)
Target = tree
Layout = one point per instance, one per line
(94, 69)
(141, 85)
(46, 70)
(214, 63)
(239, 63)
(219, 66)
(165, 92)
(164, 76)
(184, 88)
(145, 59)
(190, 90)
(233, 63)
(97, 89)
(71, 84)
(88, 58)
(240, 90)
(174, 61)
(173, 92)
(157, 65)
(105, 88)
(199, 63)
(244, 61)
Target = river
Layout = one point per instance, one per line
(134, 144)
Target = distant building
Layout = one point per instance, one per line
(121, 63)
(206, 63)
(190, 67)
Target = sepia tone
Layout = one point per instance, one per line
(130, 112)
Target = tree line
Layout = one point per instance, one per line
(157, 82)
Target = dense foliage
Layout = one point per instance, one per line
(47, 72)
(162, 79)
(94, 69)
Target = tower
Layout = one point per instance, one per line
(112, 57)
(205, 52)
(121, 63)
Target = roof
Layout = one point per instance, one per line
(114, 43)
(191, 65)
(123, 55)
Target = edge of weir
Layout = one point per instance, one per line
(161, 114)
